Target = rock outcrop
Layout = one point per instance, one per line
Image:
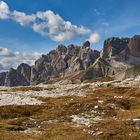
(57, 63)
(2, 78)
(25, 71)
(134, 46)
(13, 78)
(114, 46)
(62, 61)
(100, 68)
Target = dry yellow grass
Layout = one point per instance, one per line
(117, 123)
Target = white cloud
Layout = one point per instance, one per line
(94, 38)
(4, 52)
(39, 28)
(56, 28)
(7, 58)
(4, 10)
(45, 23)
(22, 18)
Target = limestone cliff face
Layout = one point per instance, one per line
(13, 78)
(100, 68)
(114, 46)
(134, 46)
(65, 61)
(2, 78)
(62, 61)
(25, 71)
(59, 62)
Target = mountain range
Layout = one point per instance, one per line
(119, 59)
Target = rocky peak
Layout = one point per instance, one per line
(68, 60)
(114, 46)
(134, 46)
(86, 43)
(52, 55)
(25, 71)
(13, 78)
(61, 49)
(73, 50)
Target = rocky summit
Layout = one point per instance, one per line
(119, 59)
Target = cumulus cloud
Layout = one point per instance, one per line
(94, 38)
(4, 10)
(4, 52)
(22, 18)
(56, 28)
(45, 23)
(7, 58)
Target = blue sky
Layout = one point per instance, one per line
(97, 18)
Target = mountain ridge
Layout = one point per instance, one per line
(117, 55)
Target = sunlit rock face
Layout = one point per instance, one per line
(134, 46)
(114, 46)
(63, 61)
(13, 78)
(116, 57)
(25, 71)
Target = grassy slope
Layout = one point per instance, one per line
(14, 119)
